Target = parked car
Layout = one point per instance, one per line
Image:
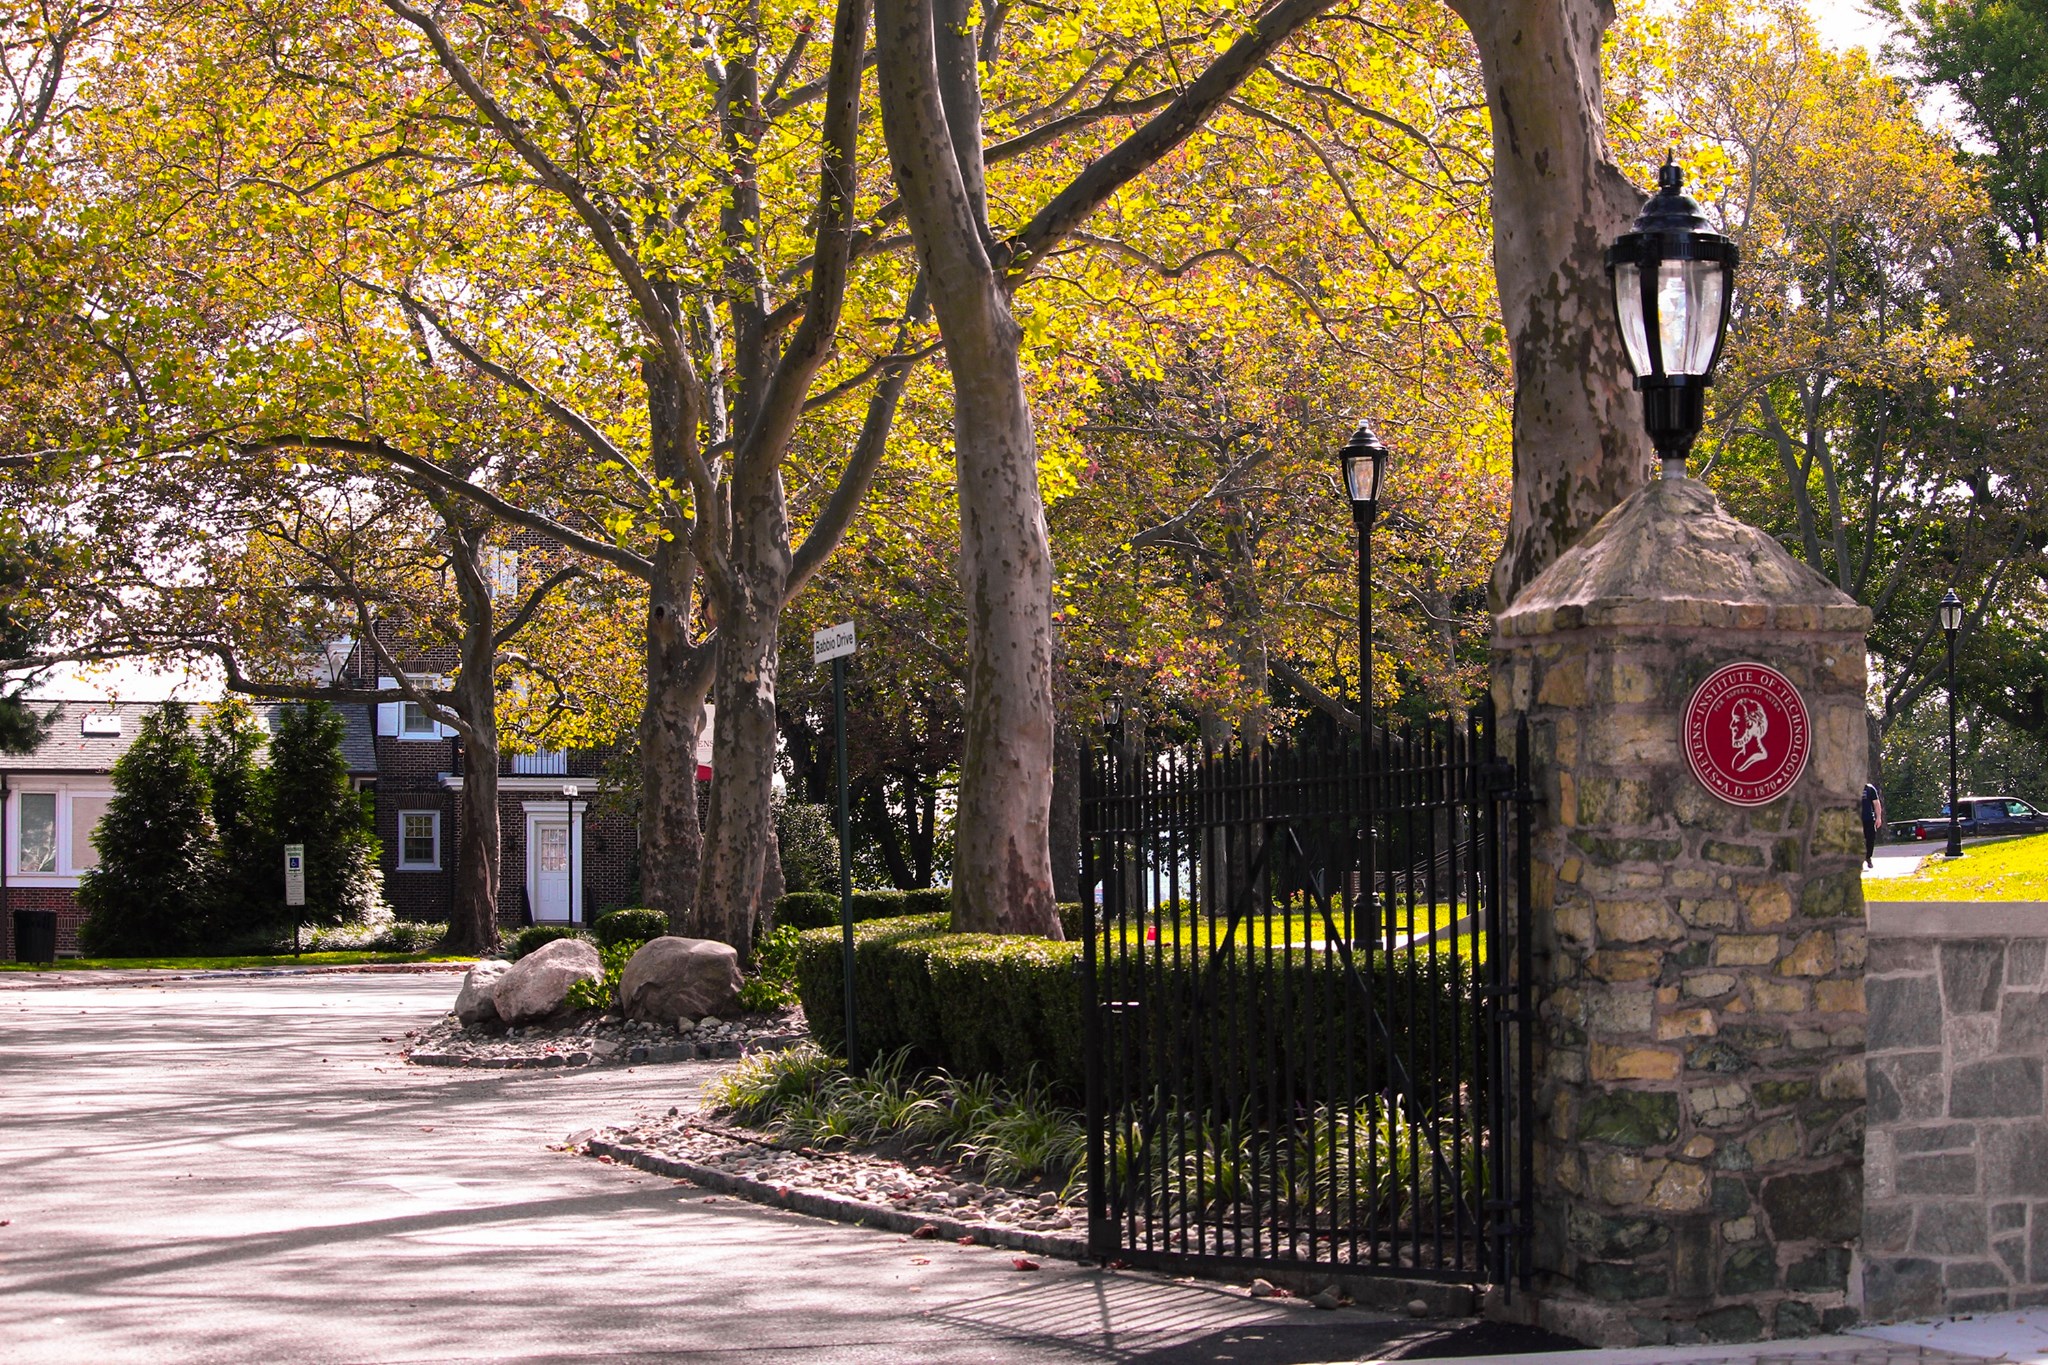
(1978, 815)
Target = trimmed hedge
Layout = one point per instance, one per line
(635, 925)
(807, 909)
(1004, 1005)
(973, 1003)
(818, 909)
(534, 935)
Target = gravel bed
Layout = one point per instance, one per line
(912, 1187)
(601, 1040)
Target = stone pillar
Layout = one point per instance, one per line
(1699, 1049)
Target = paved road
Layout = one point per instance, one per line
(241, 1170)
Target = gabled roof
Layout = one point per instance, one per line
(74, 746)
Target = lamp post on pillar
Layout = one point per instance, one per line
(1673, 282)
(1951, 613)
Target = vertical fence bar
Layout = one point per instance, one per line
(1525, 1009)
(1099, 1242)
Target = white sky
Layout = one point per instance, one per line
(1844, 23)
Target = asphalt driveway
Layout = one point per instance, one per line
(240, 1169)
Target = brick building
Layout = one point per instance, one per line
(566, 855)
(54, 798)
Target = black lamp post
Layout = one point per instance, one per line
(1674, 279)
(1363, 460)
(1951, 612)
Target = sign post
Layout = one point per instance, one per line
(837, 644)
(295, 886)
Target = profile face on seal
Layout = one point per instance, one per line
(1747, 735)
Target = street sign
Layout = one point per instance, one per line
(833, 642)
(294, 874)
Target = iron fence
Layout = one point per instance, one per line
(1306, 1041)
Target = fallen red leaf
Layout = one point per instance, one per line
(965, 1241)
(1023, 1263)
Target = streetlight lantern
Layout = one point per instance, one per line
(1364, 461)
(1950, 614)
(1674, 279)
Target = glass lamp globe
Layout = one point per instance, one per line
(1674, 280)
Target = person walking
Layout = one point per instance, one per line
(1873, 821)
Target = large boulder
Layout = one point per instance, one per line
(537, 985)
(473, 1004)
(680, 978)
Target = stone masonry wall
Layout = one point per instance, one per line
(1957, 1162)
(1701, 1010)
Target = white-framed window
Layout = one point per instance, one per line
(409, 719)
(419, 840)
(35, 848)
(49, 832)
(501, 571)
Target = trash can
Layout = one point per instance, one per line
(35, 936)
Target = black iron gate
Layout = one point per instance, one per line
(1306, 1042)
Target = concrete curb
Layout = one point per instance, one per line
(1443, 1300)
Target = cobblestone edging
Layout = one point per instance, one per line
(1419, 1298)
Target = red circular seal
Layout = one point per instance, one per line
(1746, 734)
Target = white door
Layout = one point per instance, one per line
(551, 870)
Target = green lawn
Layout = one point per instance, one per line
(204, 964)
(2004, 870)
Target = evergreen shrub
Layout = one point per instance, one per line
(1010, 1006)
(158, 863)
(534, 935)
(809, 844)
(308, 800)
(635, 925)
(807, 909)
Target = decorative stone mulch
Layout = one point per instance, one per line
(601, 1040)
(931, 1200)
(941, 1203)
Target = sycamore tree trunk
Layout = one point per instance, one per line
(1558, 200)
(478, 838)
(1002, 867)
(678, 679)
(742, 816)
(473, 923)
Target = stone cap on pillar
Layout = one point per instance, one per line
(1670, 555)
